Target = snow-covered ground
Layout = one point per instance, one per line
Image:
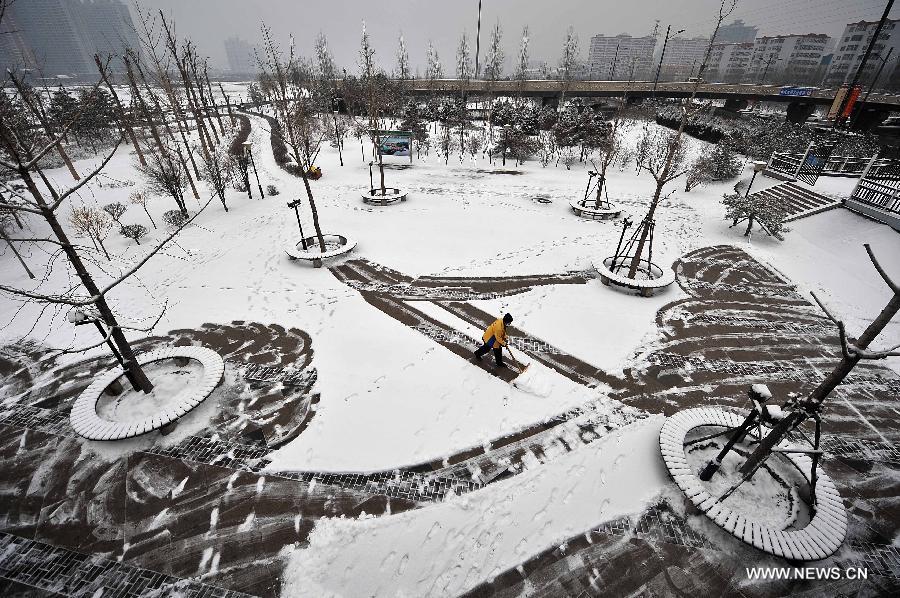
(393, 397)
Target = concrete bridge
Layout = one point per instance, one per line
(737, 93)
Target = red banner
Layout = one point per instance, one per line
(851, 101)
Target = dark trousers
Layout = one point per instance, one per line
(483, 349)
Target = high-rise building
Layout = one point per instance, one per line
(729, 62)
(736, 33)
(789, 59)
(60, 37)
(852, 45)
(241, 59)
(683, 57)
(621, 57)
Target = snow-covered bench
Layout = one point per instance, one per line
(335, 244)
(392, 195)
(817, 540)
(658, 278)
(594, 213)
(87, 423)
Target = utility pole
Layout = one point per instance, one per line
(663, 55)
(871, 86)
(477, 41)
(612, 71)
(865, 58)
(766, 70)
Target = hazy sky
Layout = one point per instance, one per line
(209, 22)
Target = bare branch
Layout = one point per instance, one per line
(86, 178)
(845, 349)
(894, 287)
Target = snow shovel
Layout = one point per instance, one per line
(527, 365)
(530, 381)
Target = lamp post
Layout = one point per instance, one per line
(663, 55)
(758, 166)
(248, 151)
(295, 204)
(478, 40)
(371, 183)
(766, 70)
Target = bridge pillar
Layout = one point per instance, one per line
(552, 101)
(735, 104)
(798, 112)
(865, 118)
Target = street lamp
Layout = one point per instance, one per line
(296, 204)
(758, 166)
(371, 183)
(248, 152)
(663, 55)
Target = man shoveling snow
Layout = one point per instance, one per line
(495, 338)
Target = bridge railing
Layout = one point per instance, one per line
(882, 194)
(850, 166)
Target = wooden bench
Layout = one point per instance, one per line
(595, 213)
(88, 424)
(821, 538)
(393, 195)
(312, 254)
(644, 287)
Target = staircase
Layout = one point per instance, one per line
(797, 201)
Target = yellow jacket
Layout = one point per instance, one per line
(497, 330)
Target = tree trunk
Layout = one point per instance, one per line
(749, 226)
(636, 260)
(188, 174)
(103, 247)
(122, 118)
(146, 211)
(147, 116)
(138, 379)
(19, 257)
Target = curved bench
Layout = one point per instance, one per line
(595, 213)
(820, 539)
(87, 423)
(393, 195)
(645, 287)
(340, 243)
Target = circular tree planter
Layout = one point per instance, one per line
(819, 538)
(101, 413)
(335, 245)
(586, 209)
(392, 195)
(649, 278)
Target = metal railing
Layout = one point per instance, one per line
(883, 194)
(849, 166)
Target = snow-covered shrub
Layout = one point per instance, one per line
(272, 190)
(175, 218)
(115, 210)
(136, 231)
(756, 208)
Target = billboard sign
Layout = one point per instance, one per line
(795, 91)
(394, 143)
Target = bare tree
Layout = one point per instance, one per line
(115, 210)
(669, 165)
(6, 218)
(403, 72)
(32, 100)
(165, 176)
(285, 91)
(218, 170)
(522, 62)
(567, 64)
(139, 198)
(92, 223)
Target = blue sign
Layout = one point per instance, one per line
(795, 91)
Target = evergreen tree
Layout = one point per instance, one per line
(757, 208)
